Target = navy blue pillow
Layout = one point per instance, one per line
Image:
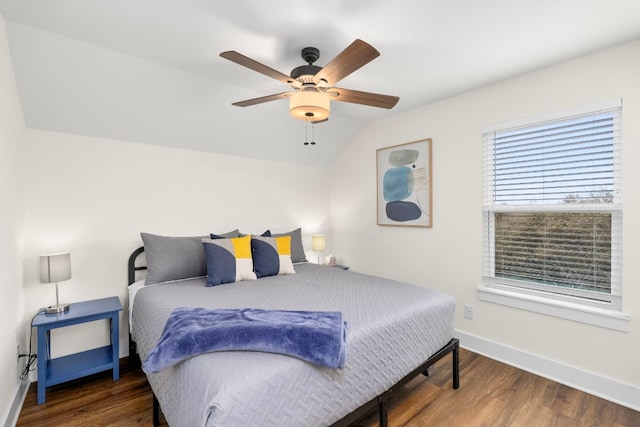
(217, 236)
(227, 235)
(265, 234)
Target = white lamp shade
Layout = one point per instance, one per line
(310, 106)
(318, 242)
(55, 268)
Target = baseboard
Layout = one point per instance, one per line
(16, 407)
(606, 388)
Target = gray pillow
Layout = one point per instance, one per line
(175, 258)
(297, 250)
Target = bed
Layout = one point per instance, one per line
(396, 331)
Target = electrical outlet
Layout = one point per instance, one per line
(468, 312)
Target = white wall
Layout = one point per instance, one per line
(93, 197)
(11, 227)
(449, 255)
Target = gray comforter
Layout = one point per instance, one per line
(393, 327)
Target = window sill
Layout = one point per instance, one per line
(605, 318)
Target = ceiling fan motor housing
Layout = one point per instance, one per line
(310, 55)
(305, 70)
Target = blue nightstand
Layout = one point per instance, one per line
(66, 368)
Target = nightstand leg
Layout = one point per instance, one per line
(115, 345)
(42, 364)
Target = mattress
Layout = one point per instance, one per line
(133, 290)
(393, 328)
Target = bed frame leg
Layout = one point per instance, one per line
(383, 410)
(156, 411)
(134, 358)
(456, 365)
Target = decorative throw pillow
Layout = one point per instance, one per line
(174, 258)
(297, 250)
(267, 233)
(271, 255)
(228, 260)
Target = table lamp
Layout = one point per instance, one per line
(318, 244)
(55, 268)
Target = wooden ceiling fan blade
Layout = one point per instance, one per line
(262, 99)
(254, 65)
(364, 98)
(356, 55)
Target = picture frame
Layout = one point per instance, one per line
(404, 184)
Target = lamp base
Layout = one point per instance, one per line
(55, 309)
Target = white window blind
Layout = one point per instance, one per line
(552, 208)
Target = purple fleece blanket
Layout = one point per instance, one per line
(315, 336)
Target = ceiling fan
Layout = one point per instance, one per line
(314, 86)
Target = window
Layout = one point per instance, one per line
(552, 208)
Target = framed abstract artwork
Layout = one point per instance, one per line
(404, 184)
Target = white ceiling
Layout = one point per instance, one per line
(148, 70)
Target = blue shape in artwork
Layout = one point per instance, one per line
(397, 183)
(403, 211)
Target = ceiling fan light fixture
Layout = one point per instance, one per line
(309, 106)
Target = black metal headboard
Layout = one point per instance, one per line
(132, 264)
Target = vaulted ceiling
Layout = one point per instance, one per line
(149, 71)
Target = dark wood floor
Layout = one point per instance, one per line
(491, 394)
